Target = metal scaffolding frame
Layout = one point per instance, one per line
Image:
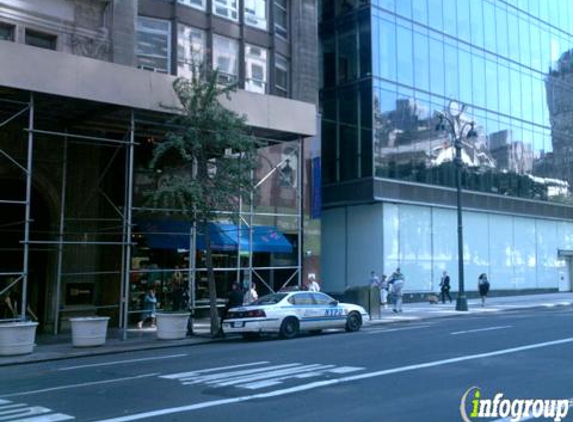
(127, 146)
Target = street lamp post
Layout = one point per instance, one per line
(452, 122)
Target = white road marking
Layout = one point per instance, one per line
(325, 383)
(281, 374)
(119, 362)
(86, 384)
(345, 369)
(204, 371)
(390, 330)
(21, 412)
(214, 377)
(477, 330)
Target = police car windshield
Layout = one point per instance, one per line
(269, 299)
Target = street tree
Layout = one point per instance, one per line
(209, 156)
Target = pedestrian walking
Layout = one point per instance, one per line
(234, 300)
(373, 281)
(384, 291)
(397, 281)
(483, 287)
(251, 294)
(445, 287)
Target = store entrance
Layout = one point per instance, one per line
(12, 218)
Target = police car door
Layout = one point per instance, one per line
(332, 314)
(306, 310)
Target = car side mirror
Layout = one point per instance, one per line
(334, 303)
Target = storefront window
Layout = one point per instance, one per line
(6, 32)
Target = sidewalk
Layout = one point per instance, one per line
(50, 347)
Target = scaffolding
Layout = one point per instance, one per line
(93, 233)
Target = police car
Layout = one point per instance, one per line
(290, 312)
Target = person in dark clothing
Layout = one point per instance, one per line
(234, 300)
(483, 287)
(445, 287)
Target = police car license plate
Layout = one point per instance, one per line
(238, 324)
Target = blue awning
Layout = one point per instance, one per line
(175, 234)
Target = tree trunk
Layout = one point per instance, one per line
(215, 324)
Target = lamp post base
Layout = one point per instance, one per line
(461, 303)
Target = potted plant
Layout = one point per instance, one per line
(17, 337)
(89, 331)
(172, 325)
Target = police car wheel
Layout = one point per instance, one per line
(289, 328)
(353, 322)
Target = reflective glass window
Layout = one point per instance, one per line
(421, 61)
(6, 32)
(435, 14)
(465, 75)
(347, 54)
(366, 132)
(282, 73)
(281, 18)
(387, 49)
(490, 25)
(404, 55)
(190, 50)
(227, 9)
(503, 84)
(328, 59)
(450, 17)
(451, 70)
(153, 44)
(198, 4)
(255, 69)
(516, 37)
(41, 39)
(420, 12)
(476, 27)
(384, 4)
(478, 78)
(437, 67)
(365, 46)
(501, 31)
(527, 95)
(348, 132)
(225, 58)
(404, 8)
(491, 83)
(465, 20)
(515, 88)
(256, 13)
(535, 46)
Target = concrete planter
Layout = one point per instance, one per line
(17, 338)
(171, 326)
(89, 331)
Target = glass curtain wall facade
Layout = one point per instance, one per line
(389, 66)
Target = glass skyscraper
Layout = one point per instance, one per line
(389, 68)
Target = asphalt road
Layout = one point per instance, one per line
(402, 372)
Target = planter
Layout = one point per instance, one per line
(171, 326)
(89, 331)
(17, 338)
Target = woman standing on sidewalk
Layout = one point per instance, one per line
(483, 287)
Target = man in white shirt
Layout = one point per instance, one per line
(313, 286)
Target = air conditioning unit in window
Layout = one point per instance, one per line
(151, 69)
(226, 79)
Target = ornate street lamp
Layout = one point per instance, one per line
(451, 121)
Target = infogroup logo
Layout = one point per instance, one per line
(515, 409)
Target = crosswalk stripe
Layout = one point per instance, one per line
(21, 412)
(204, 371)
(207, 378)
(345, 369)
(274, 374)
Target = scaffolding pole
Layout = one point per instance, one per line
(29, 168)
(299, 191)
(127, 214)
(61, 238)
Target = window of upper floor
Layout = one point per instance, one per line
(256, 13)
(226, 58)
(197, 4)
(41, 39)
(227, 9)
(282, 76)
(281, 18)
(191, 50)
(153, 44)
(7, 32)
(255, 69)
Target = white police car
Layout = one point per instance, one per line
(290, 312)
